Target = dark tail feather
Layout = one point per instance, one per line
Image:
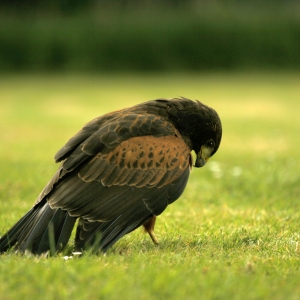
(42, 229)
(10, 238)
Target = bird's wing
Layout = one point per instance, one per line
(118, 172)
(119, 189)
(131, 174)
(102, 135)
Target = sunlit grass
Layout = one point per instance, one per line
(234, 234)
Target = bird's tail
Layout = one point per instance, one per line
(40, 230)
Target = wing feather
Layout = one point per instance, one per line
(103, 187)
(148, 160)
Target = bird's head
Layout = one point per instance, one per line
(199, 125)
(205, 152)
(206, 138)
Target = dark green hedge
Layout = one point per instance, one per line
(181, 40)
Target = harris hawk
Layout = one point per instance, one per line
(118, 173)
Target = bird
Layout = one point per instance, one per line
(118, 173)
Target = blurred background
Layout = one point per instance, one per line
(149, 35)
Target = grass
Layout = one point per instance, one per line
(234, 234)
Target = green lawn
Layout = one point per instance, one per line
(235, 232)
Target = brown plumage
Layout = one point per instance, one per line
(119, 172)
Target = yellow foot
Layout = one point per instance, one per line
(153, 237)
(149, 227)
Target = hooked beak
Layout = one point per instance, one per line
(201, 159)
(200, 162)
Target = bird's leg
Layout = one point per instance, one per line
(149, 227)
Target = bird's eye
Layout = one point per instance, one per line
(210, 144)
